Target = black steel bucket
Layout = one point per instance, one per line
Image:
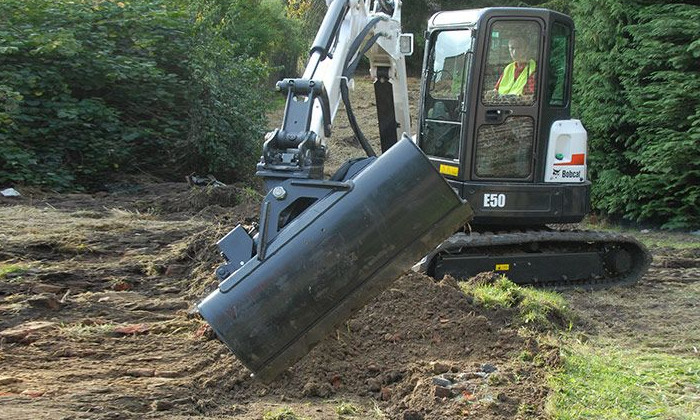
(333, 258)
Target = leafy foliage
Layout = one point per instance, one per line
(637, 81)
(92, 85)
(89, 89)
(233, 45)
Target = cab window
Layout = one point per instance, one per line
(511, 66)
(448, 67)
(560, 48)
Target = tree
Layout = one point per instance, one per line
(637, 75)
(89, 90)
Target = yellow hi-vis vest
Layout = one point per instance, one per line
(509, 84)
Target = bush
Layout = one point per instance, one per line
(636, 89)
(234, 45)
(94, 86)
(89, 90)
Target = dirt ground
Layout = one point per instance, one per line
(662, 311)
(96, 322)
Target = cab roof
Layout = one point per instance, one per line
(471, 17)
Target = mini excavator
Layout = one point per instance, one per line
(497, 160)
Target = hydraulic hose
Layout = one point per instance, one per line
(350, 67)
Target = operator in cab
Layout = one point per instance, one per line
(518, 77)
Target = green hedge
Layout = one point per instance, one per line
(90, 90)
(637, 84)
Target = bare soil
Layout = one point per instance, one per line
(97, 322)
(662, 311)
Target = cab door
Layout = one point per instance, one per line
(506, 112)
(447, 68)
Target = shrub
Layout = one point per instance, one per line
(636, 89)
(91, 89)
(232, 45)
(94, 86)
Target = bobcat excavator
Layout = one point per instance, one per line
(493, 163)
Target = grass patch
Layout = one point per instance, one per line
(669, 241)
(377, 412)
(346, 409)
(78, 332)
(608, 382)
(281, 414)
(14, 269)
(250, 195)
(539, 309)
(148, 214)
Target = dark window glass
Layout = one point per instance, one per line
(505, 150)
(558, 65)
(447, 69)
(510, 74)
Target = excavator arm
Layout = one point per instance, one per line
(324, 248)
(349, 31)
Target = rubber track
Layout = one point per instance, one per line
(550, 241)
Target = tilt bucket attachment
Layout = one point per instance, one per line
(323, 250)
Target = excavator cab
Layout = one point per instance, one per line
(495, 121)
(495, 114)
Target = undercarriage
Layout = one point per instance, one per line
(542, 258)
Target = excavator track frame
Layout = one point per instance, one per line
(581, 259)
